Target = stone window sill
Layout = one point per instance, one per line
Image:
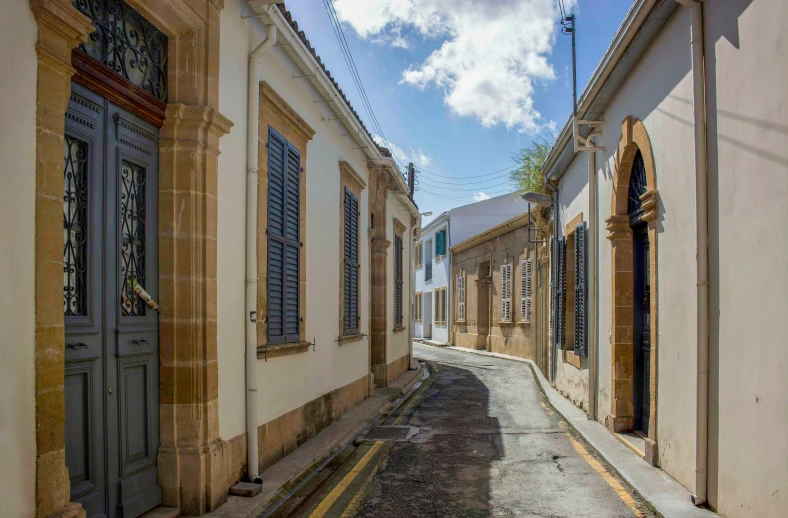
(506, 323)
(274, 350)
(350, 338)
(398, 329)
(522, 323)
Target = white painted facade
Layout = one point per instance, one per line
(288, 382)
(460, 223)
(747, 165)
(18, 33)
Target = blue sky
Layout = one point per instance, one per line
(458, 86)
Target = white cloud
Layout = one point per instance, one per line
(417, 157)
(480, 196)
(491, 54)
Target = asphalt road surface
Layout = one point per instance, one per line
(488, 445)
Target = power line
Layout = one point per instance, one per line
(475, 189)
(468, 177)
(466, 199)
(462, 181)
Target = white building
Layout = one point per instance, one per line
(229, 178)
(432, 256)
(678, 208)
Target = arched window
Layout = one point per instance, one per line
(637, 188)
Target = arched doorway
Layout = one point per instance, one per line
(632, 230)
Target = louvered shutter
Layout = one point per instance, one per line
(581, 348)
(525, 290)
(440, 243)
(351, 264)
(461, 297)
(398, 280)
(506, 292)
(284, 175)
(560, 287)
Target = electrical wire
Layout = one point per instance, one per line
(473, 189)
(427, 173)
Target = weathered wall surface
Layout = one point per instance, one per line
(516, 338)
(659, 92)
(398, 341)
(748, 181)
(286, 383)
(571, 373)
(17, 258)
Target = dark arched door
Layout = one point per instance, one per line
(642, 296)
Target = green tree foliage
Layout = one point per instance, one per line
(528, 175)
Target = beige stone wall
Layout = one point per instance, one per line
(18, 33)
(515, 338)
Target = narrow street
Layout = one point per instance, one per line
(487, 445)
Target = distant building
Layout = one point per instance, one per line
(432, 256)
(498, 277)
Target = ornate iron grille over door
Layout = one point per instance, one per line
(75, 232)
(127, 43)
(637, 188)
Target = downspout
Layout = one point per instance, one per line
(592, 281)
(450, 309)
(702, 237)
(252, 137)
(553, 275)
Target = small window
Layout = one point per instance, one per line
(440, 306)
(506, 292)
(461, 296)
(418, 253)
(440, 243)
(417, 307)
(526, 273)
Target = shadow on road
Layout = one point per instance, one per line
(446, 469)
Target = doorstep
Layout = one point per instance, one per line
(289, 471)
(669, 498)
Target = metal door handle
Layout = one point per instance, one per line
(78, 345)
(139, 342)
(111, 389)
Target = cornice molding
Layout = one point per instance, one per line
(275, 102)
(351, 176)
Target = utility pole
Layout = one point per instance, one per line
(569, 27)
(411, 178)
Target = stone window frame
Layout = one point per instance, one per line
(418, 255)
(350, 179)
(464, 299)
(508, 264)
(439, 317)
(418, 306)
(276, 113)
(568, 346)
(190, 449)
(634, 138)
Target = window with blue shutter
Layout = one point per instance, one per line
(560, 290)
(284, 240)
(398, 281)
(440, 243)
(351, 264)
(581, 348)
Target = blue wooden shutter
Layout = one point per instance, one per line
(440, 243)
(351, 266)
(398, 281)
(284, 203)
(581, 348)
(560, 290)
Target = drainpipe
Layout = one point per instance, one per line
(702, 236)
(252, 137)
(554, 272)
(593, 281)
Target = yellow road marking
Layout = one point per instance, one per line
(613, 483)
(402, 416)
(332, 497)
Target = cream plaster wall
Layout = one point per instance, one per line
(398, 344)
(659, 92)
(573, 200)
(747, 76)
(285, 382)
(18, 33)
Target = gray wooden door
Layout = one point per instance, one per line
(110, 225)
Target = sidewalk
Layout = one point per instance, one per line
(291, 470)
(669, 498)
